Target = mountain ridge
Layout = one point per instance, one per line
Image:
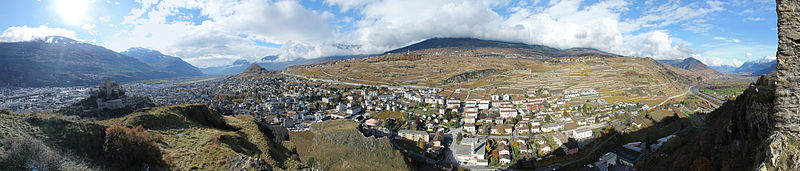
(61, 61)
(532, 51)
(163, 62)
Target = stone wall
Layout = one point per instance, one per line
(788, 85)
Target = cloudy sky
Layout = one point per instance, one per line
(217, 32)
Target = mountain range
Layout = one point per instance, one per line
(61, 61)
(757, 67)
(163, 62)
(749, 68)
(695, 66)
(266, 62)
(530, 51)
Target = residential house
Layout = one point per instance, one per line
(470, 127)
(501, 130)
(505, 159)
(414, 135)
(483, 104)
(503, 150)
(508, 113)
(522, 128)
(582, 134)
(541, 140)
(560, 138)
(552, 127)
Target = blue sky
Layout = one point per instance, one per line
(213, 33)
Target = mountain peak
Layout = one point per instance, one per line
(253, 68)
(143, 50)
(58, 40)
(241, 62)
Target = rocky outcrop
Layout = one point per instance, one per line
(472, 75)
(783, 145)
(788, 90)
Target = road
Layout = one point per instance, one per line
(675, 96)
(716, 102)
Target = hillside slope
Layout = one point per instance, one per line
(339, 145)
(734, 138)
(189, 137)
(60, 61)
(694, 65)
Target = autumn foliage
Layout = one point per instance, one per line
(133, 145)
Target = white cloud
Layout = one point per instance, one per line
(25, 33)
(104, 19)
(726, 40)
(718, 61)
(235, 28)
(753, 19)
(89, 28)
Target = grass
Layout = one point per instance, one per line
(389, 114)
(303, 141)
(338, 145)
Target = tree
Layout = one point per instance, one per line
(420, 143)
(458, 137)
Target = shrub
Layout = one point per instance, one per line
(27, 153)
(133, 145)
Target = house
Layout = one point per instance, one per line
(582, 134)
(471, 151)
(519, 140)
(609, 159)
(483, 104)
(502, 141)
(524, 149)
(436, 144)
(522, 128)
(545, 149)
(470, 128)
(536, 130)
(453, 104)
(552, 127)
(469, 120)
(571, 147)
(628, 156)
(414, 135)
(495, 97)
(560, 138)
(503, 150)
(508, 113)
(501, 130)
(602, 118)
(541, 140)
(506, 97)
(636, 124)
(505, 159)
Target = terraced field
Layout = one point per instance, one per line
(617, 79)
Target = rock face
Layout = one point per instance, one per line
(788, 85)
(784, 146)
(472, 75)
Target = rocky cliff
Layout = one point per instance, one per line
(783, 145)
(759, 130)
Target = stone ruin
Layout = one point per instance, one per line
(110, 95)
